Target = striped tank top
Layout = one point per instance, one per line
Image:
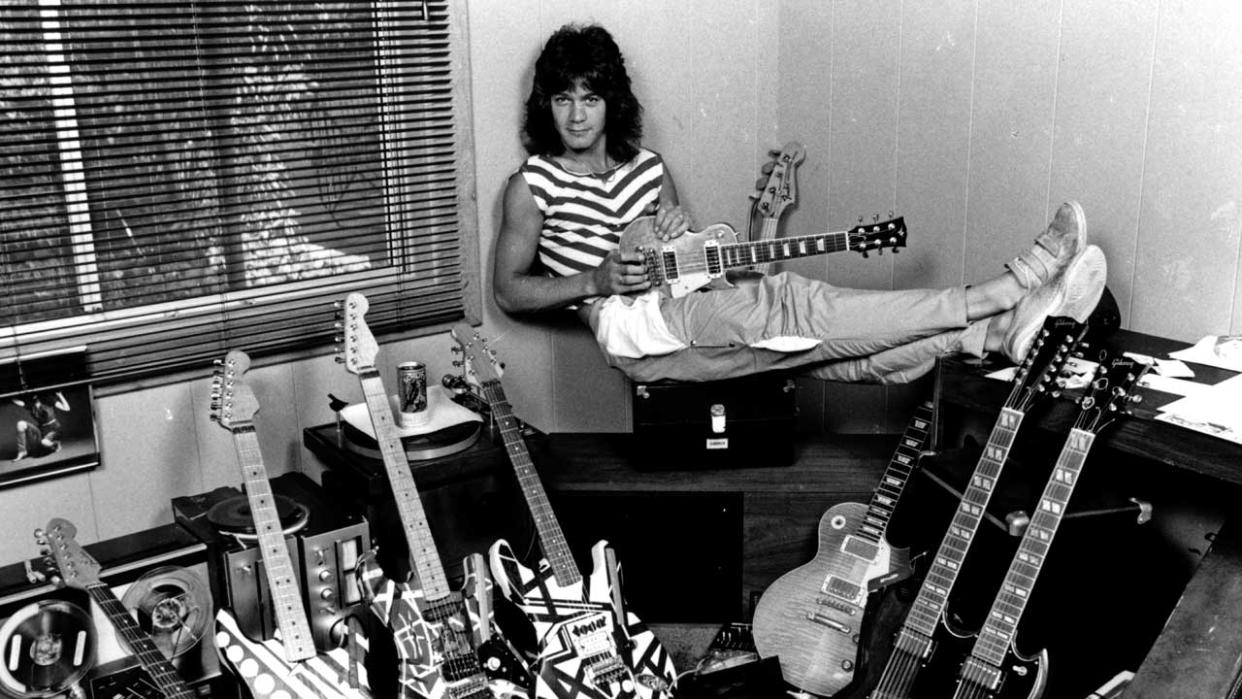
(584, 215)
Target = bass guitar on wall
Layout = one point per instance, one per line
(811, 617)
(590, 646)
(995, 669)
(446, 640)
(779, 191)
(926, 624)
(292, 664)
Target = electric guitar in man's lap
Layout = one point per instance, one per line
(698, 259)
(589, 645)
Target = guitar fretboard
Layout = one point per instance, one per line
(555, 547)
(934, 593)
(286, 597)
(734, 255)
(423, 552)
(767, 235)
(893, 482)
(152, 660)
(1002, 621)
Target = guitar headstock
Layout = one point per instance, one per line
(781, 188)
(1111, 393)
(233, 404)
(358, 347)
(1037, 375)
(478, 361)
(878, 235)
(68, 564)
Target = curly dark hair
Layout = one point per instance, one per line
(587, 53)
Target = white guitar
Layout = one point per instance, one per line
(446, 640)
(291, 664)
(589, 645)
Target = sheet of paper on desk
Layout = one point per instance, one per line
(1224, 352)
(1214, 411)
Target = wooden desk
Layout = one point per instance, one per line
(962, 383)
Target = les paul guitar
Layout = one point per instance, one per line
(995, 668)
(446, 640)
(811, 617)
(291, 664)
(589, 645)
(70, 565)
(778, 192)
(926, 624)
(699, 259)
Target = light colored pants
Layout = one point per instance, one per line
(863, 336)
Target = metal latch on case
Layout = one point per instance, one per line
(718, 418)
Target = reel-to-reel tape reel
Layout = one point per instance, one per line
(58, 643)
(48, 648)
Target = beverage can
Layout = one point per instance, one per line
(412, 394)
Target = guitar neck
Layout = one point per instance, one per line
(423, 553)
(555, 547)
(933, 595)
(152, 660)
(905, 459)
(767, 234)
(1001, 624)
(281, 578)
(734, 255)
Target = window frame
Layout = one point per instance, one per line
(83, 328)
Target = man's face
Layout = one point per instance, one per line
(580, 116)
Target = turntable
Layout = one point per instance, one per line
(453, 428)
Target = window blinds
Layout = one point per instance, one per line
(182, 178)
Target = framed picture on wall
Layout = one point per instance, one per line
(47, 418)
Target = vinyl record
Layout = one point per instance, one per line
(46, 648)
(172, 605)
(234, 516)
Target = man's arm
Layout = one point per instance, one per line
(518, 290)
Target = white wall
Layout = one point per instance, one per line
(974, 120)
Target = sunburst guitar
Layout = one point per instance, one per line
(446, 640)
(590, 646)
(811, 617)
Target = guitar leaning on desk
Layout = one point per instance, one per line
(810, 617)
(590, 647)
(926, 625)
(995, 668)
(698, 259)
(445, 639)
(68, 564)
(291, 665)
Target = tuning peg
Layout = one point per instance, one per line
(875, 218)
(860, 219)
(456, 349)
(40, 535)
(457, 363)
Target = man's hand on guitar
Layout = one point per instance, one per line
(620, 273)
(670, 221)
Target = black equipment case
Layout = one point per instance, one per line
(742, 422)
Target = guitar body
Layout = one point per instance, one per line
(688, 249)
(581, 653)
(425, 646)
(264, 670)
(812, 616)
(1022, 677)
